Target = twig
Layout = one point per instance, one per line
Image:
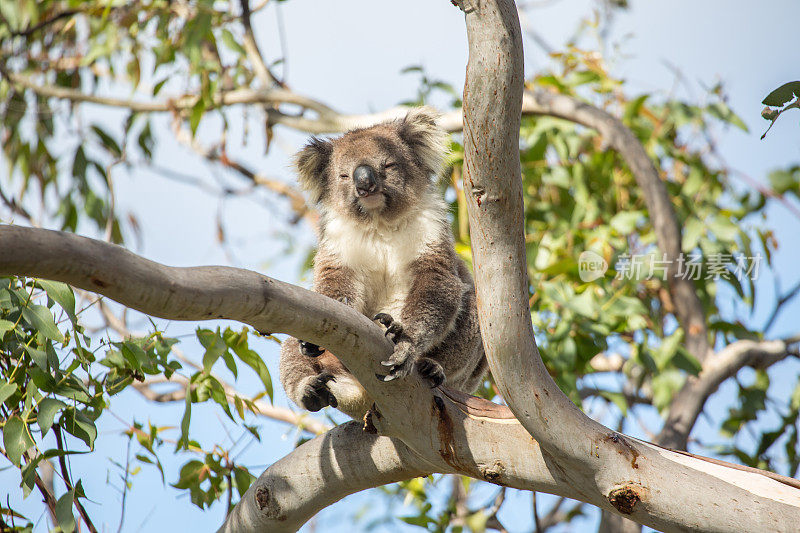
(791, 293)
(14, 206)
(55, 18)
(251, 48)
(125, 486)
(536, 520)
(65, 475)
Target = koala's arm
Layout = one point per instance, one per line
(336, 281)
(433, 302)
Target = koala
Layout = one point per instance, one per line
(386, 249)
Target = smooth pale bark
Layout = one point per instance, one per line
(632, 475)
(318, 473)
(447, 431)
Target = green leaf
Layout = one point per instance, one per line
(633, 107)
(214, 346)
(782, 94)
(723, 228)
(5, 325)
(219, 396)
(189, 474)
(477, 521)
(692, 232)
(16, 439)
(243, 479)
(48, 408)
(237, 341)
(79, 164)
(624, 222)
(62, 294)
(230, 41)
(41, 319)
(721, 111)
(196, 115)
(6, 390)
(686, 361)
(79, 425)
(618, 399)
(64, 512)
(784, 180)
(665, 385)
(183, 441)
(254, 361)
(39, 358)
(107, 141)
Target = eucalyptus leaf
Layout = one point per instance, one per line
(48, 408)
(782, 94)
(16, 439)
(42, 320)
(64, 515)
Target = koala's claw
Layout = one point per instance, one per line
(394, 330)
(317, 394)
(384, 318)
(310, 350)
(398, 364)
(431, 371)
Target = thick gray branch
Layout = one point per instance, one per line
(447, 431)
(320, 472)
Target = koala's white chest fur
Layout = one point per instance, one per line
(380, 254)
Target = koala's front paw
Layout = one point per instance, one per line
(399, 363)
(394, 330)
(431, 371)
(310, 350)
(316, 393)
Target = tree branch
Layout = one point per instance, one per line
(43, 24)
(318, 473)
(449, 432)
(251, 48)
(689, 401)
(229, 98)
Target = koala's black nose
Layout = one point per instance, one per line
(365, 180)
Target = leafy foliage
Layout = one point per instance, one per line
(52, 379)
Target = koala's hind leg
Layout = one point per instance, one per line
(316, 382)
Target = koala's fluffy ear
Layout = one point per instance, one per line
(427, 140)
(311, 163)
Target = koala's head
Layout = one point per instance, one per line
(381, 171)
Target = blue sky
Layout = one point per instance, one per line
(349, 54)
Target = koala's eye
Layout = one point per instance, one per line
(388, 164)
(344, 176)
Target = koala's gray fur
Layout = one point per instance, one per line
(386, 249)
